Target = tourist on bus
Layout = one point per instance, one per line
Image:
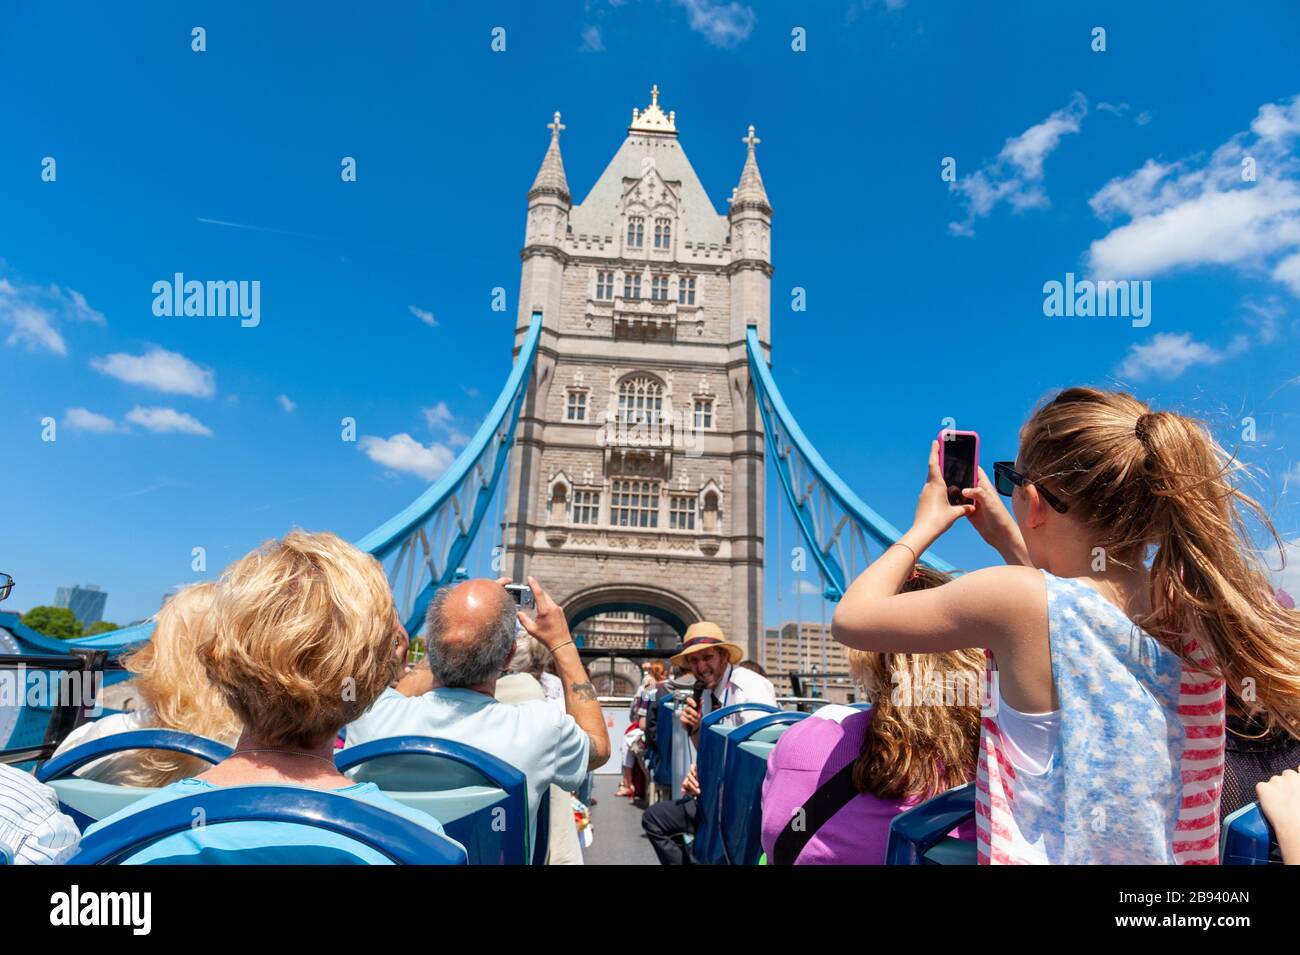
(175, 694)
(1279, 798)
(720, 681)
(470, 634)
(519, 684)
(32, 830)
(1131, 595)
(851, 771)
(636, 738)
(302, 638)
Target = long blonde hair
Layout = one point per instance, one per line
(175, 687)
(1137, 478)
(925, 715)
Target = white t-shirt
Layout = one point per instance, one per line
(547, 746)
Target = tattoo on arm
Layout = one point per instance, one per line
(583, 691)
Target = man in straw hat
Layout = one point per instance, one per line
(708, 654)
(719, 683)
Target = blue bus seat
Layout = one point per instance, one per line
(400, 839)
(87, 801)
(663, 774)
(1245, 838)
(919, 836)
(740, 814)
(710, 764)
(481, 801)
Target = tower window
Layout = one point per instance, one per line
(586, 507)
(659, 288)
(686, 290)
(576, 409)
(681, 512)
(635, 232)
(640, 401)
(703, 413)
(634, 504)
(632, 285)
(604, 286)
(663, 233)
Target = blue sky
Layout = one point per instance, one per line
(925, 298)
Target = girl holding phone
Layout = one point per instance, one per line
(1103, 738)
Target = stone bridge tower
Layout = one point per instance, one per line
(636, 479)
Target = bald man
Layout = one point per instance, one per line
(470, 635)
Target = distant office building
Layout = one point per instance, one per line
(809, 651)
(86, 603)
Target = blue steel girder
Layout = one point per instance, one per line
(431, 538)
(823, 505)
(428, 539)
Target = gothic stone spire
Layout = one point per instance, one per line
(550, 178)
(750, 192)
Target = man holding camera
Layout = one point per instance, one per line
(719, 683)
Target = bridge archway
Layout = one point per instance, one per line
(677, 612)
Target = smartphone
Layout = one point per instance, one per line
(959, 458)
(523, 595)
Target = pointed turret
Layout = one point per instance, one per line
(550, 178)
(750, 193)
(750, 218)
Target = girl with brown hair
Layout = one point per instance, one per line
(918, 739)
(1132, 594)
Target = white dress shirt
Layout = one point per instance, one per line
(32, 830)
(739, 685)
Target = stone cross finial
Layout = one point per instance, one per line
(654, 97)
(556, 126)
(751, 140)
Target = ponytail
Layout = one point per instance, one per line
(1142, 479)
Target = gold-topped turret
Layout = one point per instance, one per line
(652, 118)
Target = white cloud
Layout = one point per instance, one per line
(403, 453)
(1288, 578)
(161, 370)
(1015, 176)
(441, 421)
(1168, 355)
(83, 420)
(721, 24)
(807, 588)
(1200, 211)
(81, 310)
(165, 420)
(286, 403)
(591, 40)
(33, 313)
(424, 315)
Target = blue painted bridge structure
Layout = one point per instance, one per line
(425, 545)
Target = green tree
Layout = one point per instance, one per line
(53, 622)
(104, 626)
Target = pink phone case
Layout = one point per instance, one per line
(973, 434)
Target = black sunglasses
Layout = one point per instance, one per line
(1006, 478)
(6, 586)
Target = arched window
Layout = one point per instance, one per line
(640, 400)
(635, 232)
(663, 233)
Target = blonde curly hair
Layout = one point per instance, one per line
(304, 638)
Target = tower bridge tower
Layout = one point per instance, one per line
(636, 479)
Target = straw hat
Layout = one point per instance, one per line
(705, 636)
